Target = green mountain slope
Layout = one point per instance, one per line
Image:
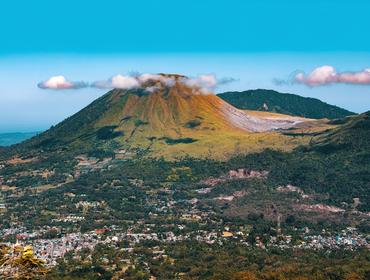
(334, 167)
(290, 104)
(338, 161)
(352, 136)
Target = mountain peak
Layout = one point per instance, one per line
(172, 75)
(167, 114)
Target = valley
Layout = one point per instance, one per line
(139, 183)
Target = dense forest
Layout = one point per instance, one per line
(232, 262)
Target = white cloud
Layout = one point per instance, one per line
(202, 83)
(118, 81)
(152, 89)
(167, 80)
(60, 82)
(129, 82)
(206, 83)
(124, 82)
(327, 74)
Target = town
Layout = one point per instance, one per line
(67, 217)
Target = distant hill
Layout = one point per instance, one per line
(7, 139)
(284, 103)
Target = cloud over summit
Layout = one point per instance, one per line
(117, 81)
(204, 83)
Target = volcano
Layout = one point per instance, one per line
(167, 116)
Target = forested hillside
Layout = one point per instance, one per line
(284, 103)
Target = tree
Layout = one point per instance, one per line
(18, 262)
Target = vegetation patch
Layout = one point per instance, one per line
(139, 122)
(301, 133)
(48, 143)
(339, 121)
(330, 147)
(107, 133)
(171, 141)
(126, 118)
(193, 123)
(100, 154)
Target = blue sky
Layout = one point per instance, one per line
(118, 26)
(254, 42)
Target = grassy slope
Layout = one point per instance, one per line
(146, 120)
(353, 135)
